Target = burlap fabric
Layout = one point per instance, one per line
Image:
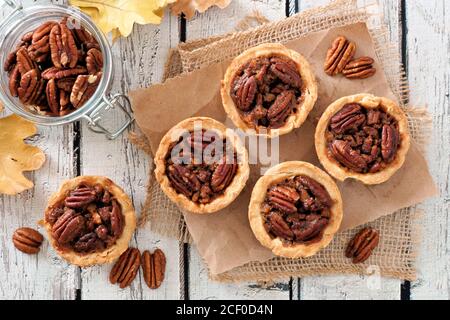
(399, 232)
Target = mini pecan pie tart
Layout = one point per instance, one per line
(362, 137)
(269, 89)
(90, 220)
(201, 165)
(295, 209)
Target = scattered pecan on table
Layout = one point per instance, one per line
(266, 90)
(363, 140)
(340, 60)
(27, 240)
(55, 68)
(360, 248)
(126, 268)
(153, 267)
(297, 210)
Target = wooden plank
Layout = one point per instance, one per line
(208, 24)
(42, 276)
(353, 287)
(428, 57)
(139, 61)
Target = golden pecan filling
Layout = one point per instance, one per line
(297, 210)
(267, 90)
(88, 220)
(201, 166)
(363, 140)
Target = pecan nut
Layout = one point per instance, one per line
(183, 180)
(27, 240)
(343, 152)
(94, 61)
(319, 192)
(222, 176)
(10, 61)
(51, 92)
(360, 248)
(126, 268)
(153, 267)
(24, 61)
(360, 68)
(246, 93)
(349, 117)
(281, 108)
(283, 198)
(309, 229)
(68, 226)
(339, 55)
(390, 139)
(58, 73)
(14, 81)
(117, 222)
(80, 197)
(64, 52)
(84, 88)
(31, 87)
(286, 71)
(279, 227)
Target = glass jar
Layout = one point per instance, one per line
(22, 20)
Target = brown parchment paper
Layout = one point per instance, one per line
(224, 239)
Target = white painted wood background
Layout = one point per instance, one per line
(422, 29)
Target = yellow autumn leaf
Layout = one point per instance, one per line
(119, 16)
(17, 156)
(188, 7)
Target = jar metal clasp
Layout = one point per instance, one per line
(108, 103)
(14, 5)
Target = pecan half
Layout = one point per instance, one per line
(343, 152)
(317, 190)
(349, 117)
(362, 245)
(27, 240)
(116, 219)
(390, 139)
(58, 73)
(279, 227)
(24, 61)
(10, 61)
(80, 197)
(153, 267)
(64, 52)
(51, 92)
(84, 88)
(281, 108)
(283, 198)
(340, 53)
(14, 81)
(65, 84)
(183, 180)
(309, 229)
(222, 176)
(68, 226)
(246, 93)
(94, 61)
(286, 71)
(126, 268)
(30, 87)
(42, 31)
(360, 68)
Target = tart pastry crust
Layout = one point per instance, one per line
(109, 254)
(309, 88)
(278, 174)
(367, 101)
(230, 193)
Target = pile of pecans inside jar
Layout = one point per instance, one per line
(55, 68)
